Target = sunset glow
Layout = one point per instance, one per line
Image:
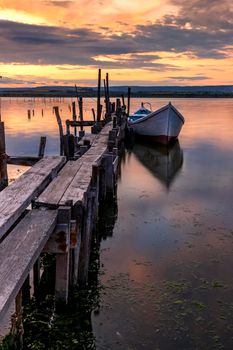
(172, 42)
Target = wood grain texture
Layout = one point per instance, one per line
(81, 182)
(56, 189)
(15, 198)
(20, 250)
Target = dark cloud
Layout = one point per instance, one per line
(59, 3)
(7, 81)
(191, 32)
(199, 77)
(211, 14)
(171, 38)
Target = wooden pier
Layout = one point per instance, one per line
(53, 208)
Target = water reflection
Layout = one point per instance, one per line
(166, 264)
(163, 162)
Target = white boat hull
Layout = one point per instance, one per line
(161, 126)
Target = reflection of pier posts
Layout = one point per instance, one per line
(3, 163)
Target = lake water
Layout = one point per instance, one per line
(166, 265)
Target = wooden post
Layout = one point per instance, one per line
(62, 259)
(100, 111)
(93, 113)
(77, 213)
(74, 116)
(81, 134)
(118, 104)
(71, 144)
(109, 174)
(56, 110)
(67, 127)
(123, 100)
(113, 105)
(86, 241)
(108, 97)
(80, 104)
(65, 142)
(105, 99)
(98, 96)
(118, 111)
(3, 160)
(42, 146)
(128, 104)
(112, 138)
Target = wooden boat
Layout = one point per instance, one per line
(163, 125)
(164, 162)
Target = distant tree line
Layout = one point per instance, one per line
(92, 93)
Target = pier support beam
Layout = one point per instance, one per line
(86, 241)
(76, 228)
(59, 243)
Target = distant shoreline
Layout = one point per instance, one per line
(57, 94)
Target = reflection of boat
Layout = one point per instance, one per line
(164, 162)
(162, 126)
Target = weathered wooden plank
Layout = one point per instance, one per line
(56, 189)
(42, 146)
(74, 173)
(20, 250)
(81, 181)
(15, 198)
(59, 122)
(79, 186)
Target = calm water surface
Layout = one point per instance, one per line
(166, 267)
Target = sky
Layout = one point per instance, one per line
(152, 42)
